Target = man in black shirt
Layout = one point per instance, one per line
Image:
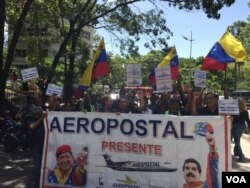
(239, 127)
(210, 108)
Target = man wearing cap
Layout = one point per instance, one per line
(69, 171)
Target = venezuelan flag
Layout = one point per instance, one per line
(86, 77)
(101, 65)
(98, 67)
(151, 76)
(172, 60)
(227, 50)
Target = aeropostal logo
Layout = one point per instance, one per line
(128, 182)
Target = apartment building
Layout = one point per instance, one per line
(49, 45)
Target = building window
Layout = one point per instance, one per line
(22, 66)
(20, 53)
(32, 31)
(86, 35)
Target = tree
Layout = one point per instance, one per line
(39, 32)
(119, 16)
(122, 16)
(5, 64)
(148, 61)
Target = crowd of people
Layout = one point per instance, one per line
(190, 102)
(184, 101)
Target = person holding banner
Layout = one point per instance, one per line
(87, 104)
(175, 107)
(123, 106)
(153, 102)
(163, 104)
(106, 104)
(25, 113)
(209, 109)
(143, 106)
(37, 134)
(53, 103)
(141, 103)
(69, 171)
(188, 101)
(192, 168)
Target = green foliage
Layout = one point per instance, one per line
(59, 21)
(211, 8)
(128, 24)
(240, 30)
(215, 79)
(148, 61)
(117, 75)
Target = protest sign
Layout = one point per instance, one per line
(164, 85)
(228, 107)
(162, 73)
(163, 79)
(200, 78)
(29, 74)
(54, 89)
(134, 75)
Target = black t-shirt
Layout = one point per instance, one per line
(205, 111)
(37, 134)
(241, 118)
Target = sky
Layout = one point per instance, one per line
(205, 31)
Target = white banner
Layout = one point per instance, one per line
(133, 69)
(228, 107)
(29, 74)
(134, 81)
(54, 89)
(200, 83)
(164, 85)
(134, 75)
(97, 150)
(200, 78)
(163, 73)
(163, 79)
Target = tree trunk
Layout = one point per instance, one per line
(5, 68)
(69, 88)
(2, 23)
(72, 31)
(56, 61)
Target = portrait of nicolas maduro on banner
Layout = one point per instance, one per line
(212, 180)
(134, 150)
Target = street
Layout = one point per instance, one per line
(16, 167)
(245, 144)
